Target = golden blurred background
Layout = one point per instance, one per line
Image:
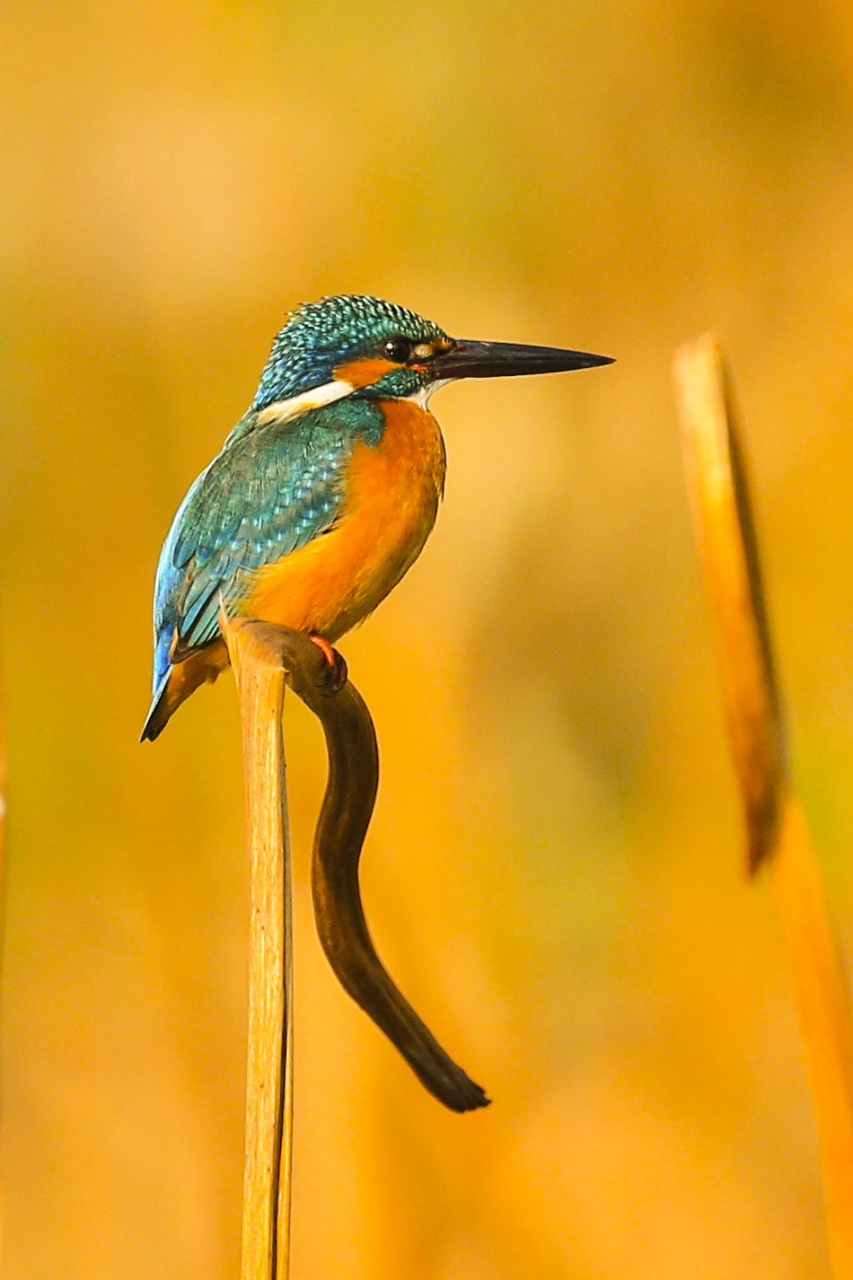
(554, 873)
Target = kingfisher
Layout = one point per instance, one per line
(326, 490)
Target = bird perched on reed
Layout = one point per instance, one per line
(326, 490)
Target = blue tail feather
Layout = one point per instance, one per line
(162, 671)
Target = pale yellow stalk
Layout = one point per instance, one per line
(776, 827)
(269, 1073)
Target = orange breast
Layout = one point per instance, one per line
(392, 497)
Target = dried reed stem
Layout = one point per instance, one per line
(776, 827)
(722, 513)
(269, 1073)
(2, 918)
(823, 1004)
(264, 657)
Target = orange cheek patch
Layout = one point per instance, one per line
(363, 373)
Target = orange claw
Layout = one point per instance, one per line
(335, 676)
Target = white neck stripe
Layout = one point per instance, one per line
(284, 410)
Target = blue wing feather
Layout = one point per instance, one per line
(272, 489)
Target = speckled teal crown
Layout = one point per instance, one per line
(321, 336)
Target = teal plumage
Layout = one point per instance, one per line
(271, 489)
(274, 486)
(283, 477)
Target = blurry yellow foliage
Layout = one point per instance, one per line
(544, 873)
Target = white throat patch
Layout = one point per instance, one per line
(423, 394)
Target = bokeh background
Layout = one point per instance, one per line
(554, 872)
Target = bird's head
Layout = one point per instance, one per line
(355, 345)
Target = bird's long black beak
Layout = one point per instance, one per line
(507, 360)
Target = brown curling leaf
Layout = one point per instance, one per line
(341, 829)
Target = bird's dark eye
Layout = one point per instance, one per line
(398, 350)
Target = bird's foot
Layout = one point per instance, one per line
(334, 676)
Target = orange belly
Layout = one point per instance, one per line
(392, 497)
